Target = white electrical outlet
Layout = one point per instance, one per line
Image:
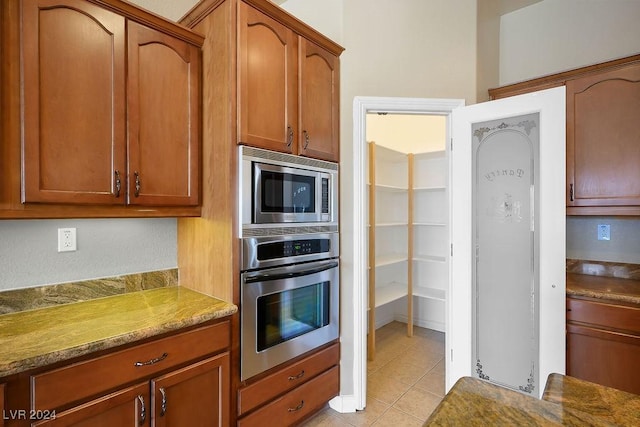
(66, 239)
(604, 232)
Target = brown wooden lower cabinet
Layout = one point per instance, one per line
(603, 343)
(293, 392)
(126, 407)
(2, 405)
(179, 380)
(298, 403)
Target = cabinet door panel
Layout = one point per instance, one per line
(126, 407)
(603, 139)
(319, 103)
(197, 395)
(163, 112)
(73, 137)
(267, 84)
(604, 357)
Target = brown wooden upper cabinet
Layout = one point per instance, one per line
(110, 107)
(288, 89)
(603, 138)
(603, 135)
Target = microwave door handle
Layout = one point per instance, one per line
(287, 272)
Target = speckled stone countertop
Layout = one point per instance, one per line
(613, 281)
(611, 405)
(35, 338)
(601, 287)
(474, 402)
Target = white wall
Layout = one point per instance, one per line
(29, 250)
(557, 35)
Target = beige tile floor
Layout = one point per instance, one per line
(405, 382)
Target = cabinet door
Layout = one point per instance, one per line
(2, 404)
(267, 82)
(319, 133)
(126, 407)
(603, 139)
(197, 395)
(163, 118)
(73, 97)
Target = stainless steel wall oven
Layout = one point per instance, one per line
(289, 298)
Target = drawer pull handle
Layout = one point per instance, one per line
(143, 410)
(297, 408)
(163, 406)
(296, 377)
(152, 361)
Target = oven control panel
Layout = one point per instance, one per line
(289, 248)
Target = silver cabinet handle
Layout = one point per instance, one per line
(296, 377)
(571, 192)
(306, 139)
(297, 408)
(118, 183)
(137, 190)
(289, 136)
(163, 406)
(152, 361)
(143, 410)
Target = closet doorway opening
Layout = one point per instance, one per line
(407, 140)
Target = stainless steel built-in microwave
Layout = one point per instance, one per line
(283, 191)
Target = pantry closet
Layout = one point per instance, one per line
(408, 221)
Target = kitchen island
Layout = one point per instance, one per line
(566, 401)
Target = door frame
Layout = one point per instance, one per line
(361, 106)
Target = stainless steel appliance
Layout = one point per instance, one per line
(289, 298)
(286, 194)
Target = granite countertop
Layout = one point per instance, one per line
(611, 405)
(602, 287)
(474, 402)
(36, 338)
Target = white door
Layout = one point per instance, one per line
(506, 318)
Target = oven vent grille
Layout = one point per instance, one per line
(287, 158)
(283, 231)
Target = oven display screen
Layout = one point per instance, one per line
(287, 193)
(287, 248)
(285, 315)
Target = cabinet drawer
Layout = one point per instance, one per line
(81, 380)
(298, 403)
(286, 379)
(620, 317)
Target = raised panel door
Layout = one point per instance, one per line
(603, 138)
(126, 407)
(197, 395)
(319, 103)
(267, 82)
(163, 118)
(74, 87)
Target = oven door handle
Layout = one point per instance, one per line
(288, 272)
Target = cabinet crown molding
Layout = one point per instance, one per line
(204, 7)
